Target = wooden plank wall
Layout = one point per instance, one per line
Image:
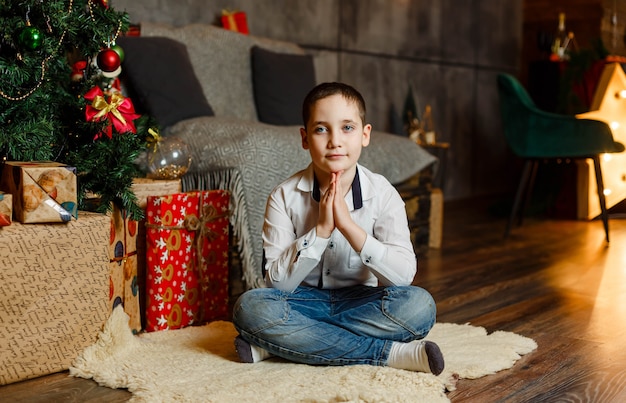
(448, 51)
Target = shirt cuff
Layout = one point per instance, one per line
(372, 252)
(311, 245)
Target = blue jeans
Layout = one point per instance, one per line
(347, 326)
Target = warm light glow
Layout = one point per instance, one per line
(608, 105)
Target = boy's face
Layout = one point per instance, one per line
(335, 135)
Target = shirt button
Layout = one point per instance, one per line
(368, 259)
(332, 245)
(305, 243)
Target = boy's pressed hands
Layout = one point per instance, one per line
(341, 214)
(326, 221)
(334, 213)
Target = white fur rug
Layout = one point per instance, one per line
(199, 364)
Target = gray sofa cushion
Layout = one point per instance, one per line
(161, 75)
(281, 81)
(221, 60)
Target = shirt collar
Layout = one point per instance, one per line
(357, 194)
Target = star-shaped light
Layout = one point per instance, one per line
(609, 105)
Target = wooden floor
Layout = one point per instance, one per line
(555, 281)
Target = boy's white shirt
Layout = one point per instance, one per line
(295, 255)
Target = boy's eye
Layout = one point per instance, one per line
(320, 129)
(348, 128)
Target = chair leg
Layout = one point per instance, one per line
(530, 185)
(521, 189)
(601, 197)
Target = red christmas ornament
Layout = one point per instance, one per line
(108, 60)
(78, 70)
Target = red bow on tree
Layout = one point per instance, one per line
(118, 109)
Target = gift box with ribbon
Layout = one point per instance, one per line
(43, 192)
(186, 258)
(144, 187)
(123, 284)
(6, 209)
(235, 21)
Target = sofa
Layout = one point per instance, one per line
(235, 100)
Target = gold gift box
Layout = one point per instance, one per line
(43, 191)
(124, 284)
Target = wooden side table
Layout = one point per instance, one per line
(416, 193)
(439, 150)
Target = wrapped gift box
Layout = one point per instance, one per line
(187, 259)
(235, 21)
(6, 209)
(54, 284)
(124, 286)
(144, 187)
(43, 192)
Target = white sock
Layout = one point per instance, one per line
(418, 355)
(250, 353)
(259, 354)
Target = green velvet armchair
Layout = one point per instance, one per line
(535, 135)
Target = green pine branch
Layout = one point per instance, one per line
(44, 118)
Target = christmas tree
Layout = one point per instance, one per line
(60, 97)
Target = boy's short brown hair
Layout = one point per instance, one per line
(325, 90)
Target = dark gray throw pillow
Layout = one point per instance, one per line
(158, 72)
(281, 81)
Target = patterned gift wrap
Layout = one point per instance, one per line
(187, 259)
(43, 191)
(144, 187)
(54, 282)
(6, 209)
(123, 283)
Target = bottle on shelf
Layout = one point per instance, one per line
(428, 135)
(561, 40)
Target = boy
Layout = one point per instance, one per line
(338, 257)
